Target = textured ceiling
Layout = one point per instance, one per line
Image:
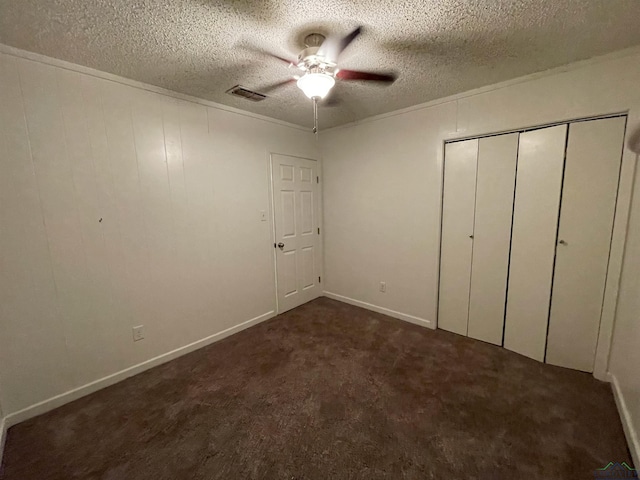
(439, 47)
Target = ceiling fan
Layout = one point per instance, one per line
(318, 68)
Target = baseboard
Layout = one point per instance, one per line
(627, 423)
(3, 437)
(71, 395)
(386, 311)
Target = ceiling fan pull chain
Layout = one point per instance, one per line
(315, 115)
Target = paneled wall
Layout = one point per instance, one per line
(382, 211)
(625, 354)
(383, 195)
(122, 207)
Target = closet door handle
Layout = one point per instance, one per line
(562, 242)
(471, 237)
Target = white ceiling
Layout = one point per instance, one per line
(439, 47)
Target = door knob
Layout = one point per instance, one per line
(281, 246)
(471, 237)
(562, 242)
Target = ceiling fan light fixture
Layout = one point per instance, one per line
(316, 85)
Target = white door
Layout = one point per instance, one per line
(533, 239)
(495, 187)
(296, 216)
(594, 153)
(459, 195)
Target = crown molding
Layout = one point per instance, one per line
(627, 52)
(54, 62)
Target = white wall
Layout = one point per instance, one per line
(3, 433)
(382, 190)
(180, 249)
(381, 210)
(625, 355)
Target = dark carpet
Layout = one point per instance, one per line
(331, 391)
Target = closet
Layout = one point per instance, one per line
(527, 219)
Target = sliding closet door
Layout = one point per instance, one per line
(492, 236)
(589, 195)
(460, 165)
(533, 243)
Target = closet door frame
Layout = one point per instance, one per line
(620, 223)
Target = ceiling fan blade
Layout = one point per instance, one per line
(332, 47)
(367, 76)
(261, 51)
(346, 41)
(274, 86)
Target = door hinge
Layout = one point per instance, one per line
(319, 279)
(318, 230)
(317, 179)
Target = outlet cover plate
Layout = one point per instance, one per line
(138, 333)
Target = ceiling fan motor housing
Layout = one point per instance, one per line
(310, 61)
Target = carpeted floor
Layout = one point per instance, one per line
(331, 391)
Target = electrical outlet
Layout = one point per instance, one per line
(138, 333)
(383, 287)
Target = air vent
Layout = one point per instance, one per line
(243, 92)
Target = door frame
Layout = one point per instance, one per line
(618, 236)
(319, 214)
